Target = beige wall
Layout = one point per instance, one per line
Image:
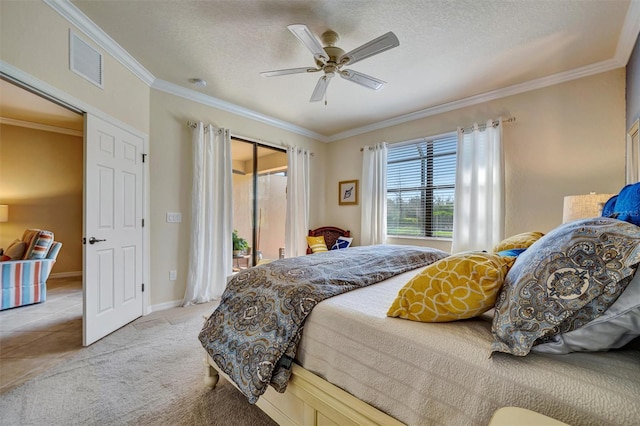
(41, 181)
(35, 39)
(170, 169)
(568, 139)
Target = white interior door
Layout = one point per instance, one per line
(113, 233)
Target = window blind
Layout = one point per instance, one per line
(421, 179)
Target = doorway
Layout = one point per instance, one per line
(259, 200)
(41, 182)
(115, 258)
(42, 172)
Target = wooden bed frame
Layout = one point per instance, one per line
(330, 234)
(309, 401)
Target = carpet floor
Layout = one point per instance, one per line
(149, 372)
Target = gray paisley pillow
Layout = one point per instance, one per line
(563, 281)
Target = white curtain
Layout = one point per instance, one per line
(297, 222)
(478, 218)
(373, 221)
(210, 251)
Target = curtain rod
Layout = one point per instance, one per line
(193, 125)
(495, 123)
(291, 146)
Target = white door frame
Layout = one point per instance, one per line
(60, 95)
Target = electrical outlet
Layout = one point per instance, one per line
(174, 217)
(173, 275)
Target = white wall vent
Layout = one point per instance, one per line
(85, 60)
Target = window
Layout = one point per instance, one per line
(421, 177)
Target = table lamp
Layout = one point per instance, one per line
(583, 206)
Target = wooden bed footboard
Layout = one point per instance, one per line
(310, 401)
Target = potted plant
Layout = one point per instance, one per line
(239, 244)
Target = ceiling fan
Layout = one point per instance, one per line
(330, 59)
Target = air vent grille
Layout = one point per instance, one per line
(84, 60)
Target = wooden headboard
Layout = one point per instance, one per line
(330, 234)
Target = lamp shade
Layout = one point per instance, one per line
(583, 206)
(4, 213)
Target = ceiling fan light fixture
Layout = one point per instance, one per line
(330, 59)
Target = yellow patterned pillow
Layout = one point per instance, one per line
(520, 241)
(317, 244)
(460, 286)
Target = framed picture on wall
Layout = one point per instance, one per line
(348, 192)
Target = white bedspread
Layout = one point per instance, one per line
(430, 374)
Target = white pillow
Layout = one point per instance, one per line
(342, 243)
(619, 325)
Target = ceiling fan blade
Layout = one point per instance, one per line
(310, 41)
(362, 79)
(321, 89)
(288, 71)
(378, 45)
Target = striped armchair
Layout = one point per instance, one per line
(24, 280)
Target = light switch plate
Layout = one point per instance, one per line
(174, 217)
(173, 275)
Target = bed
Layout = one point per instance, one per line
(356, 365)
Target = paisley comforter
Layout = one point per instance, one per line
(254, 333)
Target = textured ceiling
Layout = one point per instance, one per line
(449, 50)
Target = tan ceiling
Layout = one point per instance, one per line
(25, 107)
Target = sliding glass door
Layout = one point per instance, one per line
(259, 202)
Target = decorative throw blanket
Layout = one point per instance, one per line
(254, 333)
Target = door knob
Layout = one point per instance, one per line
(94, 240)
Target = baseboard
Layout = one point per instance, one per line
(163, 306)
(152, 308)
(66, 274)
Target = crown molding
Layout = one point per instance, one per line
(72, 14)
(626, 42)
(629, 33)
(211, 101)
(39, 126)
(484, 97)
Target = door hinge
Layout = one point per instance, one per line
(143, 223)
(143, 287)
(144, 157)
